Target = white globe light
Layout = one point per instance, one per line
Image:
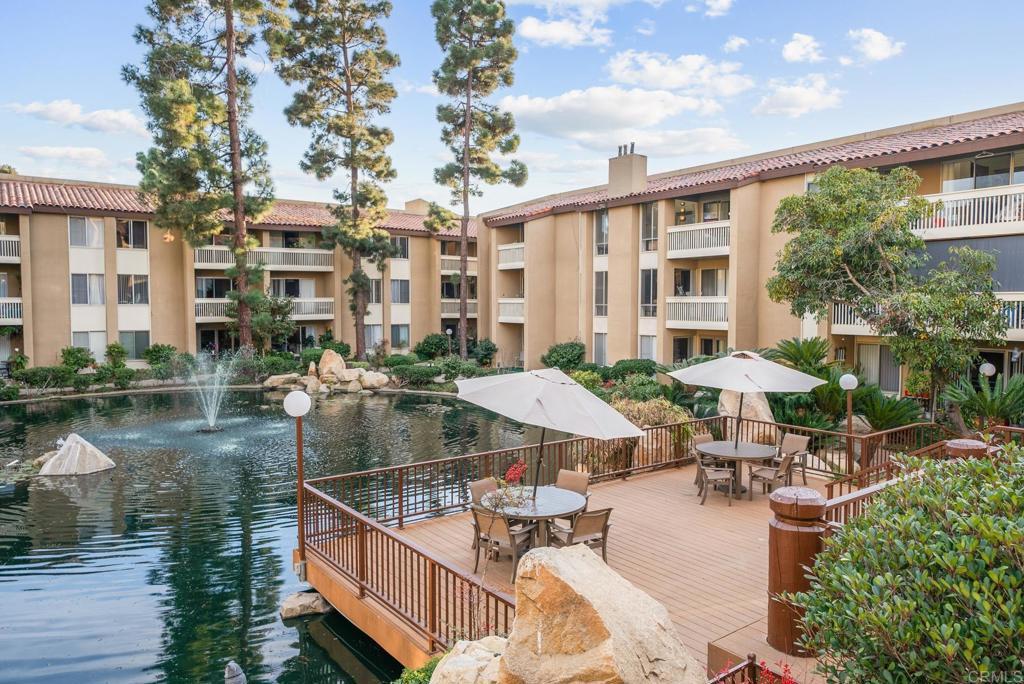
(849, 382)
(297, 404)
(987, 369)
(448, 331)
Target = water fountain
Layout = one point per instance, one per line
(210, 379)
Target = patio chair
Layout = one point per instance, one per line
(796, 446)
(590, 528)
(574, 481)
(769, 476)
(699, 439)
(711, 476)
(495, 534)
(478, 489)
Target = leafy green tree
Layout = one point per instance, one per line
(8, 169)
(272, 321)
(336, 50)
(476, 38)
(206, 162)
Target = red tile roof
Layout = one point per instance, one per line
(30, 194)
(745, 170)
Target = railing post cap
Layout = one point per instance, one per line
(799, 503)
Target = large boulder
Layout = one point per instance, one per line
(331, 362)
(311, 383)
(349, 374)
(577, 620)
(312, 369)
(470, 662)
(373, 380)
(275, 381)
(755, 407)
(353, 387)
(76, 457)
(304, 603)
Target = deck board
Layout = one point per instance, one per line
(707, 564)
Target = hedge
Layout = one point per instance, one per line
(432, 346)
(566, 356)
(623, 368)
(46, 376)
(417, 375)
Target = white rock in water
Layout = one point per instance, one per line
(233, 673)
(471, 662)
(76, 457)
(304, 603)
(373, 380)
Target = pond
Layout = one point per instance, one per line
(176, 561)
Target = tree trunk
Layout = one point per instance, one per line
(359, 305)
(359, 294)
(239, 244)
(464, 233)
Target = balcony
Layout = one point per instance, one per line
(450, 308)
(312, 309)
(211, 310)
(10, 249)
(846, 322)
(974, 213)
(450, 265)
(271, 258)
(698, 240)
(10, 311)
(512, 256)
(1014, 308)
(700, 313)
(511, 310)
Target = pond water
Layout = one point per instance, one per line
(176, 561)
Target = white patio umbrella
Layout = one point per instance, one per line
(743, 372)
(547, 398)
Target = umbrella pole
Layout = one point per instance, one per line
(739, 421)
(540, 459)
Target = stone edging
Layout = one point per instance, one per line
(417, 393)
(117, 393)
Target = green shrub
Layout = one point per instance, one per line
(279, 365)
(157, 354)
(248, 369)
(358, 364)
(652, 412)
(46, 376)
(17, 361)
(417, 375)
(485, 351)
(885, 413)
(9, 392)
(420, 675)
(81, 382)
(162, 371)
(638, 388)
(927, 584)
(312, 354)
(116, 355)
(626, 367)
(432, 346)
(594, 368)
(76, 358)
(587, 378)
(451, 367)
(992, 402)
(396, 360)
(183, 365)
(123, 377)
(327, 341)
(566, 356)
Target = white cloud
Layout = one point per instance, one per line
(693, 74)
(658, 142)
(802, 48)
(874, 46)
(845, 61)
(646, 27)
(567, 32)
(801, 96)
(717, 8)
(68, 113)
(735, 44)
(257, 64)
(92, 157)
(421, 88)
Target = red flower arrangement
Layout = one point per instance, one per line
(515, 472)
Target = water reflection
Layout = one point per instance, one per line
(175, 562)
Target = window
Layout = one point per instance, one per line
(3, 285)
(132, 289)
(85, 232)
(400, 243)
(454, 248)
(682, 282)
(879, 367)
(374, 335)
(399, 291)
(299, 288)
(375, 291)
(648, 293)
(87, 288)
(95, 341)
(709, 346)
(712, 282)
(213, 288)
(450, 287)
(680, 349)
(647, 344)
(132, 234)
(601, 232)
(684, 212)
(134, 341)
(601, 293)
(400, 336)
(601, 349)
(983, 171)
(716, 210)
(649, 227)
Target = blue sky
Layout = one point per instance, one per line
(690, 81)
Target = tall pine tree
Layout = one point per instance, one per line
(206, 163)
(476, 38)
(336, 50)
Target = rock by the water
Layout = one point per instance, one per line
(76, 457)
(373, 380)
(311, 384)
(312, 369)
(349, 374)
(353, 387)
(577, 620)
(233, 673)
(471, 662)
(331, 362)
(304, 603)
(41, 460)
(366, 392)
(755, 407)
(279, 380)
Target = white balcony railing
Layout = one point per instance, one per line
(974, 213)
(450, 308)
(10, 249)
(315, 308)
(512, 256)
(211, 310)
(511, 310)
(10, 311)
(698, 240)
(1014, 308)
(845, 321)
(705, 313)
(271, 258)
(450, 264)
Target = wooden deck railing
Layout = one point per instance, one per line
(745, 672)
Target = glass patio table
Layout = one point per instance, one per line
(738, 454)
(551, 502)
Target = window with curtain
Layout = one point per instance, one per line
(399, 291)
(983, 171)
(647, 345)
(401, 245)
(84, 231)
(684, 212)
(299, 288)
(134, 341)
(450, 287)
(400, 336)
(375, 294)
(601, 293)
(95, 341)
(601, 349)
(712, 282)
(715, 210)
(878, 366)
(648, 292)
(682, 282)
(649, 227)
(213, 288)
(601, 232)
(374, 335)
(132, 289)
(87, 288)
(132, 234)
(454, 248)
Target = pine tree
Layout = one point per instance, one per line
(476, 38)
(206, 163)
(336, 50)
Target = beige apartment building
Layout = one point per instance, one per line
(84, 264)
(672, 265)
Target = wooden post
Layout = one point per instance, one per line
(361, 556)
(401, 498)
(966, 448)
(849, 432)
(300, 515)
(433, 612)
(795, 537)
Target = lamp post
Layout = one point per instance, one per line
(849, 383)
(296, 405)
(448, 332)
(987, 369)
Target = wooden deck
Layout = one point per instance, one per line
(707, 564)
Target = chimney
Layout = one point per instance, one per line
(418, 206)
(627, 172)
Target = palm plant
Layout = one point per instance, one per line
(991, 403)
(884, 412)
(808, 356)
